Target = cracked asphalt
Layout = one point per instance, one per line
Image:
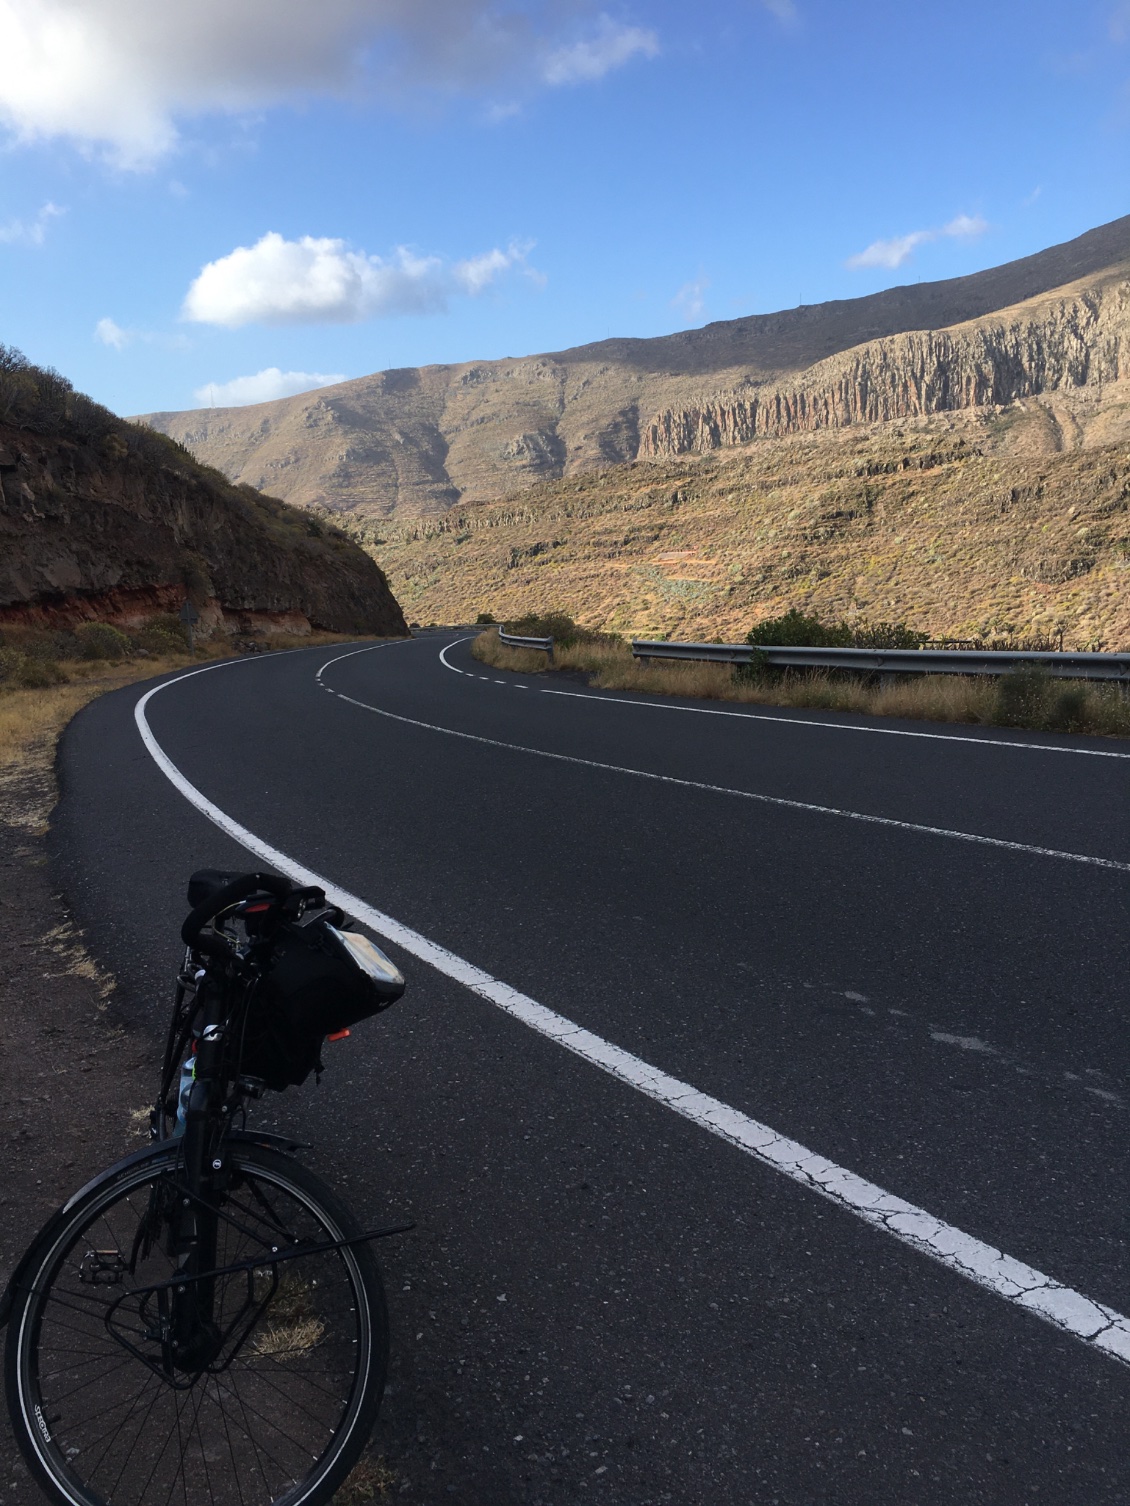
(602, 1301)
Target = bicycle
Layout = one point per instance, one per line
(205, 1321)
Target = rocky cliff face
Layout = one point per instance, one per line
(92, 529)
(1058, 345)
(414, 443)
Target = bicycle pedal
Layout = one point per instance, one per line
(102, 1268)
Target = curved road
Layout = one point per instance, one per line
(850, 983)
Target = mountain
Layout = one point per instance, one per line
(414, 443)
(100, 518)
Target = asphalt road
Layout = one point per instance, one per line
(603, 1302)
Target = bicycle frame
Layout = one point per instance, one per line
(215, 989)
(193, 1337)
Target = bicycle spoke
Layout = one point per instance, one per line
(57, 1398)
(195, 1397)
(96, 1358)
(282, 1391)
(247, 1433)
(114, 1436)
(231, 1454)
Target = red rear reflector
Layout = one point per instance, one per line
(338, 1035)
(256, 909)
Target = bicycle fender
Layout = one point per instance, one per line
(285, 1143)
(162, 1147)
(15, 1280)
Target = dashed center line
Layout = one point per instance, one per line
(839, 812)
(795, 721)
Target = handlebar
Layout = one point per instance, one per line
(240, 888)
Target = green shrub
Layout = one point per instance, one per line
(1023, 698)
(887, 635)
(11, 662)
(795, 630)
(160, 641)
(556, 625)
(48, 643)
(169, 624)
(40, 674)
(1069, 710)
(484, 619)
(98, 640)
(757, 668)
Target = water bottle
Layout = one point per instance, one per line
(187, 1078)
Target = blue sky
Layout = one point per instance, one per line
(229, 199)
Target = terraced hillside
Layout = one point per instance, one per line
(967, 524)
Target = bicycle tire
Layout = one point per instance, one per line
(284, 1410)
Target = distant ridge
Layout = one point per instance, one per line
(416, 441)
(795, 338)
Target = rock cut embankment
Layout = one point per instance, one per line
(90, 529)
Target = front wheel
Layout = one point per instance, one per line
(277, 1405)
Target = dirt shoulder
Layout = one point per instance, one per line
(75, 1076)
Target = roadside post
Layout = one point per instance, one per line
(190, 617)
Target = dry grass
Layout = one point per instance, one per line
(294, 1327)
(488, 650)
(282, 1341)
(1064, 706)
(31, 720)
(370, 1480)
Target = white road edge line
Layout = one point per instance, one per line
(797, 721)
(722, 789)
(1098, 1326)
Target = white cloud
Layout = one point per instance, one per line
(892, 253)
(591, 58)
(118, 75)
(30, 232)
(112, 334)
(263, 387)
(502, 110)
(690, 300)
(784, 10)
(1120, 22)
(320, 280)
(966, 226)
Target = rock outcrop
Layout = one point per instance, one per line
(1081, 339)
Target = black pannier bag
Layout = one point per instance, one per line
(321, 980)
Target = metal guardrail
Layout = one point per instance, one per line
(895, 661)
(514, 640)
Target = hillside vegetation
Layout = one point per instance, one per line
(971, 525)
